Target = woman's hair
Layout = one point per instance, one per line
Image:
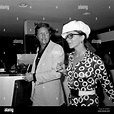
(40, 25)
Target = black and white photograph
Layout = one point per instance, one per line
(57, 54)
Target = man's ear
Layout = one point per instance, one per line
(36, 36)
(50, 34)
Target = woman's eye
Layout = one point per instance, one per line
(71, 35)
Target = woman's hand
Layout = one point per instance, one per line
(28, 77)
(60, 67)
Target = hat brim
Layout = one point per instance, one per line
(64, 35)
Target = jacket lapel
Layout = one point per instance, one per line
(46, 52)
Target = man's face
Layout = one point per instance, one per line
(43, 35)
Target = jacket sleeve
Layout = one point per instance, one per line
(51, 73)
(105, 80)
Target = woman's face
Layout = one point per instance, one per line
(43, 35)
(74, 39)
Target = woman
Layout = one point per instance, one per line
(84, 67)
(47, 89)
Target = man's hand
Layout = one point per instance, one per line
(28, 77)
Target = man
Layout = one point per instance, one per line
(47, 89)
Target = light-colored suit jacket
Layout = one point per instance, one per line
(50, 93)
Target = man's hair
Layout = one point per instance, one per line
(39, 25)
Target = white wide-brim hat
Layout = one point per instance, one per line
(75, 25)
